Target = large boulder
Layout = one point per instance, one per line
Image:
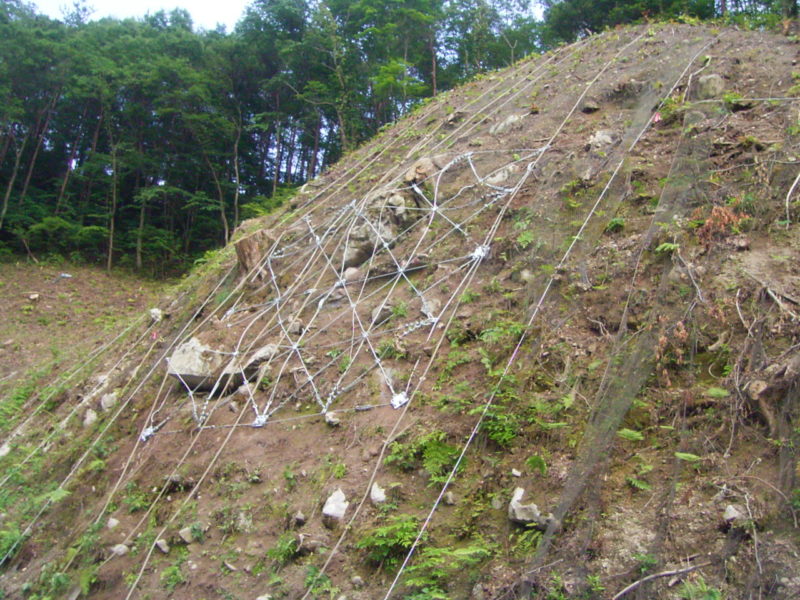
(526, 514)
(203, 366)
(335, 508)
(251, 250)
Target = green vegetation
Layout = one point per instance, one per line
(387, 544)
(143, 142)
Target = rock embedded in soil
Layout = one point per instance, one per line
(108, 401)
(162, 545)
(89, 418)
(119, 550)
(112, 523)
(186, 535)
(335, 508)
(710, 86)
(377, 494)
(449, 499)
(299, 518)
(332, 419)
(526, 514)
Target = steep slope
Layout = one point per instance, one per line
(576, 278)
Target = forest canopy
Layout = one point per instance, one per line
(143, 142)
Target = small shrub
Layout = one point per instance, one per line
(386, 545)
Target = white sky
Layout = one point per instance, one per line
(206, 14)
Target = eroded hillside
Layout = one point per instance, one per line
(536, 340)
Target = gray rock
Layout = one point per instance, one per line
(295, 327)
(262, 355)
(156, 315)
(196, 364)
(332, 419)
(335, 508)
(381, 313)
(733, 513)
(420, 171)
(108, 401)
(449, 498)
(502, 175)
(377, 494)
(357, 581)
(352, 274)
(162, 545)
(516, 473)
(299, 518)
(112, 523)
(119, 550)
(5, 449)
(264, 597)
(186, 535)
(590, 106)
(89, 418)
(477, 592)
(526, 514)
(506, 124)
(710, 86)
(602, 139)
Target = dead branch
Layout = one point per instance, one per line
(644, 580)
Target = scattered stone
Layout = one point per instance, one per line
(332, 419)
(477, 592)
(740, 243)
(449, 498)
(516, 473)
(112, 523)
(119, 550)
(156, 315)
(501, 176)
(109, 401)
(733, 513)
(299, 519)
(296, 327)
(505, 124)
(420, 171)
(601, 140)
(381, 313)
(710, 86)
(162, 545)
(34, 297)
(264, 597)
(590, 106)
(89, 418)
(377, 494)
(454, 117)
(335, 508)
(431, 307)
(5, 449)
(262, 355)
(357, 581)
(186, 535)
(526, 514)
(353, 274)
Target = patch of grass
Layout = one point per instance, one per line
(386, 545)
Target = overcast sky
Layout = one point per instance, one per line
(205, 13)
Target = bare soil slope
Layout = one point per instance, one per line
(577, 277)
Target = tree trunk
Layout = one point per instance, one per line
(13, 178)
(40, 133)
(68, 170)
(113, 211)
(432, 46)
(223, 218)
(140, 234)
(236, 170)
(277, 163)
(312, 164)
(6, 144)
